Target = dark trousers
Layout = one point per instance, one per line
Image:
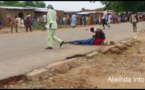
(104, 23)
(84, 42)
(114, 20)
(134, 26)
(44, 23)
(29, 28)
(16, 28)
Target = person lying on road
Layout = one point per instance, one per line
(97, 39)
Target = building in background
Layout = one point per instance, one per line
(10, 12)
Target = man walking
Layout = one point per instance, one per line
(134, 21)
(52, 26)
(104, 18)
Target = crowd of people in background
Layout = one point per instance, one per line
(91, 20)
(1, 24)
(83, 20)
(19, 22)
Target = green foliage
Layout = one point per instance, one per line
(20, 5)
(35, 3)
(23, 4)
(40, 4)
(124, 5)
(1, 3)
(100, 8)
(29, 3)
(130, 50)
(100, 55)
(107, 4)
(8, 3)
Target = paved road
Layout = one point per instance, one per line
(23, 52)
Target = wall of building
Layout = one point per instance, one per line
(38, 14)
(12, 12)
(60, 13)
(2, 15)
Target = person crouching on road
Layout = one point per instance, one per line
(99, 36)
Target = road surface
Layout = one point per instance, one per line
(23, 52)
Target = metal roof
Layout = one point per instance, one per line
(45, 10)
(85, 13)
(91, 12)
(16, 7)
(28, 7)
(71, 11)
(40, 9)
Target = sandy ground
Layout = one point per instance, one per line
(127, 69)
(6, 30)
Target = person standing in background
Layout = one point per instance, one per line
(35, 25)
(69, 20)
(83, 20)
(22, 23)
(19, 20)
(1, 24)
(64, 19)
(16, 22)
(114, 18)
(134, 21)
(109, 19)
(92, 19)
(86, 20)
(38, 21)
(28, 22)
(89, 20)
(61, 20)
(12, 25)
(117, 18)
(44, 21)
(73, 20)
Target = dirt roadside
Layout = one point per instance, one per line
(7, 30)
(95, 73)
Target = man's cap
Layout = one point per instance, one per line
(49, 6)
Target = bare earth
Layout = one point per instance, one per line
(94, 72)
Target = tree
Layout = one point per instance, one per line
(100, 8)
(35, 3)
(107, 4)
(1, 3)
(29, 3)
(20, 5)
(40, 4)
(23, 3)
(142, 8)
(9, 3)
(124, 5)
